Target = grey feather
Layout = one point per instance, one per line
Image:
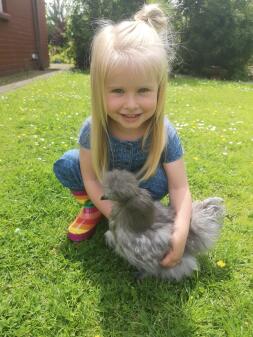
(140, 229)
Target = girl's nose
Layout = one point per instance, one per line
(131, 102)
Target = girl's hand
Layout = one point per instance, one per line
(173, 257)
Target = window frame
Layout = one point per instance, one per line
(3, 11)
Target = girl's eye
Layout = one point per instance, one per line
(118, 91)
(143, 90)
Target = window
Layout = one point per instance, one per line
(3, 15)
(3, 6)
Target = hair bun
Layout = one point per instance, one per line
(153, 15)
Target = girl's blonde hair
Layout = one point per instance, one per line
(141, 43)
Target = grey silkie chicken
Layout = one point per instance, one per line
(140, 229)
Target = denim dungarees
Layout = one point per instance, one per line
(127, 155)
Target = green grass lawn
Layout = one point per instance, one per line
(51, 287)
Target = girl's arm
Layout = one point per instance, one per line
(92, 186)
(180, 198)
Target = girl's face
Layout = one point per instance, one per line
(131, 100)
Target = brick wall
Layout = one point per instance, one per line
(18, 39)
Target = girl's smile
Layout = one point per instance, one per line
(131, 100)
(130, 118)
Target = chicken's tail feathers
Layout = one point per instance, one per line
(206, 222)
(185, 268)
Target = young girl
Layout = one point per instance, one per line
(127, 128)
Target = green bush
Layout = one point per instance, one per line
(215, 37)
(60, 54)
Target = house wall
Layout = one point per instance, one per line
(17, 37)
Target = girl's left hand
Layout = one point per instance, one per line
(173, 257)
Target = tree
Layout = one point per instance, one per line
(215, 36)
(84, 18)
(57, 12)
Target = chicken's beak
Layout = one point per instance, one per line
(104, 197)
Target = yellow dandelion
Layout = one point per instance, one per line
(195, 158)
(221, 263)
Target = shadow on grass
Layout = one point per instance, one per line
(24, 75)
(80, 71)
(129, 308)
